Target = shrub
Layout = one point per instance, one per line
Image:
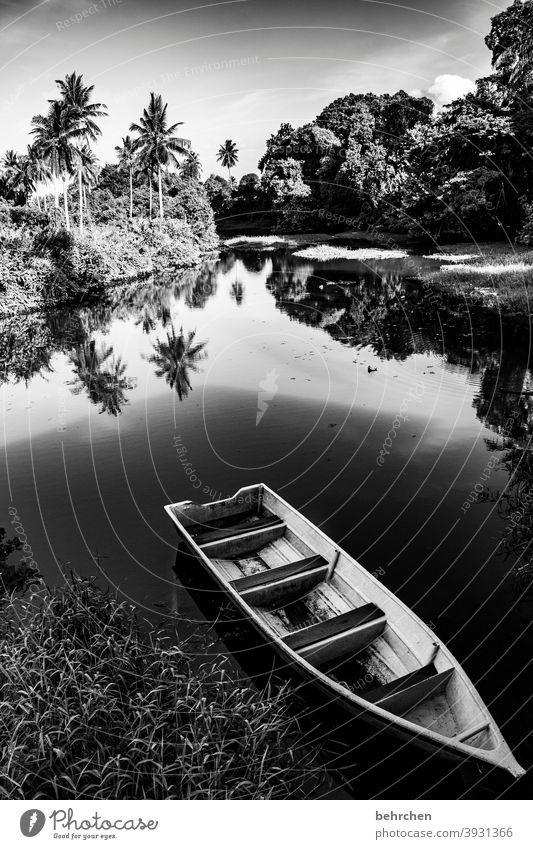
(525, 236)
(92, 707)
(28, 216)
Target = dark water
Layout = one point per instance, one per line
(371, 403)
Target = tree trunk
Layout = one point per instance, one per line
(131, 193)
(161, 213)
(56, 191)
(37, 198)
(150, 184)
(65, 202)
(80, 190)
(45, 202)
(229, 175)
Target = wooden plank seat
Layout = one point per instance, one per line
(348, 632)
(376, 694)
(245, 542)
(410, 690)
(278, 573)
(204, 537)
(282, 584)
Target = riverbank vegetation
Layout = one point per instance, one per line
(94, 706)
(390, 162)
(69, 228)
(497, 277)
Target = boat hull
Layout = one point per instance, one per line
(381, 720)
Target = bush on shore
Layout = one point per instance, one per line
(43, 264)
(92, 707)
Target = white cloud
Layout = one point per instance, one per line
(449, 87)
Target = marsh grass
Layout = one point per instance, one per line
(323, 253)
(93, 707)
(500, 280)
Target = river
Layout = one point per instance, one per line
(381, 409)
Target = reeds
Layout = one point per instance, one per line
(499, 280)
(91, 707)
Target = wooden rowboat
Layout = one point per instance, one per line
(345, 631)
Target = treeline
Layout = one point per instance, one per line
(390, 161)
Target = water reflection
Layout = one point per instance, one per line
(26, 346)
(176, 357)
(237, 292)
(505, 402)
(515, 504)
(322, 328)
(380, 308)
(103, 380)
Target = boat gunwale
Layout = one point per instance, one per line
(490, 756)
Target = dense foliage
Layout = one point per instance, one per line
(124, 715)
(384, 162)
(105, 228)
(391, 162)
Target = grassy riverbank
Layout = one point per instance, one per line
(496, 276)
(92, 707)
(44, 265)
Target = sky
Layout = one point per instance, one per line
(234, 69)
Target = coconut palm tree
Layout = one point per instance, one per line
(19, 175)
(176, 357)
(156, 140)
(11, 165)
(77, 95)
(40, 170)
(26, 180)
(55, 136)
(127, 161)
(146, 167)
(228, 155)
(191, 167)
(89, 168)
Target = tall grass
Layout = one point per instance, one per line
(92, 707)
(502, 281)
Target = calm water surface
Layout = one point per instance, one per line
(372, 404)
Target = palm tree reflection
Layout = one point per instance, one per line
(147, 319)
(237, 292)
(176, 357)
(103, 380)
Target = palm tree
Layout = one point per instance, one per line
(40, 170)
(156, 140)
(228, 155)
(26, 179)
(10, 164)
(89, 169)
(175, 357)
(127, 160)
(77, 95)
(55, 134)
(12, 173)
(191, 167)
(146, 166)
(20, 175)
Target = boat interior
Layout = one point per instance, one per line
(324, 606)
